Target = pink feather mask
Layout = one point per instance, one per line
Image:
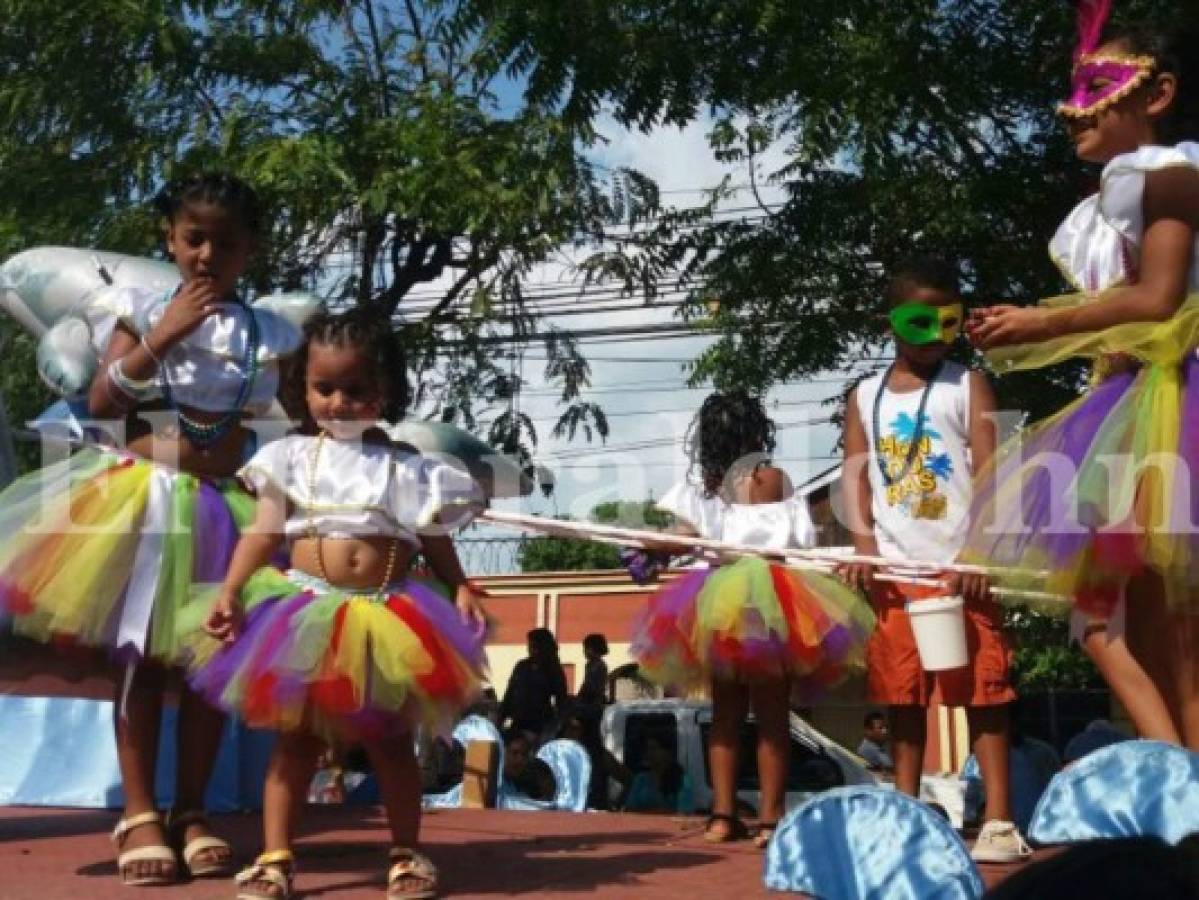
(1100, 80)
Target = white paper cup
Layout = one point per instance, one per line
(939, 624)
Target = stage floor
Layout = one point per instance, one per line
(55, 854)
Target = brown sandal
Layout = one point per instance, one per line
(414, 866)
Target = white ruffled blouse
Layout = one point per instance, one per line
(206, 369)
(783, 525)
(1098, 246)
(362, 489)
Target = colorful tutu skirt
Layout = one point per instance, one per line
(340, 665)
(752, 621)
(1103, 491)
(102, 549)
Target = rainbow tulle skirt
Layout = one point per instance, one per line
(752, 621)
(1105, 490)
(102, 549)
(340, 665)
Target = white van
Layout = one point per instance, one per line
(817, 763)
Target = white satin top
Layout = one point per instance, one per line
(206, 368)
(362, 489)
(771, 526)
(1098, 246)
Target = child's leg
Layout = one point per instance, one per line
(394, 762)
(909, 731)
(771, 707)
(989, 735)
(730, 702)
(138, 721)
(1186, 658)
(395, 765)
(198, 739)
(288, 775)
(1130, 683)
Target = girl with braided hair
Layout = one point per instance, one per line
(100, 550)
(343, 647)
(750, 631)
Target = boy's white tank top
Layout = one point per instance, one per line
(921, 510)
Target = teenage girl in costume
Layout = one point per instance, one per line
(1122, 533)
(343, 647)
(101, 549)
(750, 630)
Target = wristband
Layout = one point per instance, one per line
(128, 386)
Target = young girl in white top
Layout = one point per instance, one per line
(1103, 493)
(342, 646)
(101, 549)
(751, 630)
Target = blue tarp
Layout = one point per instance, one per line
(59, 751)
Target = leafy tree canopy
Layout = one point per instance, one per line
(375, 131)
(908, 127)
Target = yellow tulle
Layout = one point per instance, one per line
(1156, 343)
(1134, 474)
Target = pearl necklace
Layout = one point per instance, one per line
(313, 533)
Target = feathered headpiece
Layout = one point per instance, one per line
(1092, 16)
(1101, 80)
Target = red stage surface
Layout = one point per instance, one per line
(65, 855)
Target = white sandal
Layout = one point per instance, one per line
(277, 868)
(157, 853)
(410, 864)
(177, 824)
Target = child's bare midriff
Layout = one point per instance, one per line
(354, 563)
(159, 440)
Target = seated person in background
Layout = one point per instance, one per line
(875, 743)
(664, 787)
(1099, 733)
(583, 728)
(518, 750)
(536, 781)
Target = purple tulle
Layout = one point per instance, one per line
(214, 535)
(266, 621)
(1044, 505)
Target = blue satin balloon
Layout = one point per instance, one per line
(1129, 789)
(870, 843)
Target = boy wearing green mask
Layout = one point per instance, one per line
(913, 437)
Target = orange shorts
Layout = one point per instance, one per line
(894, 676)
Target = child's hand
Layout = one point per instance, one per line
(193, 303)
(470, 607)
(224, 622)
(857, 574)
(1000, 326)
(971, 588)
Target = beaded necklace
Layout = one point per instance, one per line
(313, 533)
(918, 431)
(205, 434)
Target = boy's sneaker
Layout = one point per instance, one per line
(1000, 842)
